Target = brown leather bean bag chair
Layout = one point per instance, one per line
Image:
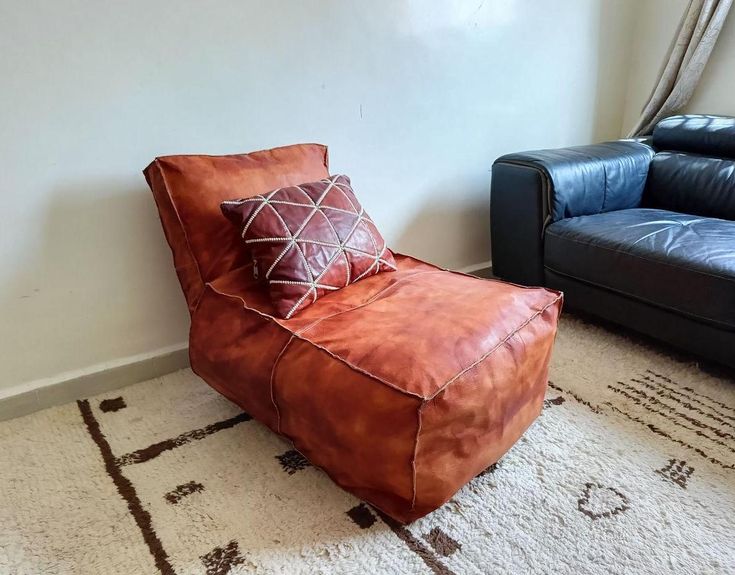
(401, 387)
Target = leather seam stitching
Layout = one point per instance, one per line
(494, 348)
(202, 283)
(326, 471)
(352, 366)
(316, 322)
(634, 154)
(419, 412)
(314, 344)
(547, 185)
(183, 231)
(465, 275)
(272, 381)
(604, 185)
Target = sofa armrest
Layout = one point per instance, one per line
(533, 189)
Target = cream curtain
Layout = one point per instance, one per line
(695, 40)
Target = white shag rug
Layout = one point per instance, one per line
(630, 469)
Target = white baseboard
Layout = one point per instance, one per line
(42, 393)
(476, 267)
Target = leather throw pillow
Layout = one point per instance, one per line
(309, 240)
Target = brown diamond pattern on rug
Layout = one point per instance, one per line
(556, 401)
(598, 501)
(677, 471)
(442, 543)
(153, 451)
(220, 560)
(298, 523)
(698, 403)
(693, 392)
(114, 404)
(292, 461)
(362, 516)
(183, 490)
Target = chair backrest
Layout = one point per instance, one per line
(693, 170)
(188, 191)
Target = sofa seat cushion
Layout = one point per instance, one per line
(677, 261)
(402, 386)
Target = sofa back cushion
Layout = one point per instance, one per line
(696, 134)
(189, 189)
(692, 184)
(694, 169)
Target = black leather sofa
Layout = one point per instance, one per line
(641, 234)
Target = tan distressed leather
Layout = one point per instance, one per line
(401, 387)
(188, 190)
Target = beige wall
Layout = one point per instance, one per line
(415, 98)
(656, 25)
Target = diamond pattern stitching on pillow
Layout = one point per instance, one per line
(260, 211)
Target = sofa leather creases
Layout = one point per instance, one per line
(696, 133)
(690, 184)
(590, 179)
(663, 252)
(658, 256)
